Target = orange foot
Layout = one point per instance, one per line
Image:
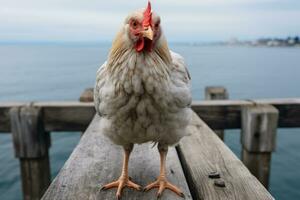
(163, 184)
(120, 184)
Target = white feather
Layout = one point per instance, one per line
(144, 99)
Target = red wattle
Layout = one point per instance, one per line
(140, 45)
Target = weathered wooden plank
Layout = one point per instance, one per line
(203, 152)
(218, 114)
(96, 161)
(289, 111)
(57, 116)
(289, 115)
(5, 116)
(66, 116)
(226, 114)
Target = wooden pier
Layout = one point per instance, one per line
(95, 160)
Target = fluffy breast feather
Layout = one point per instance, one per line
(143, 99)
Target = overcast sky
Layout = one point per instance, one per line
(182, 20)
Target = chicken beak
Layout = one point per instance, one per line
(148, 33)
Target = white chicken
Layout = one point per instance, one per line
(142, 94)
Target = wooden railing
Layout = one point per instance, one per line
(30, 125)
(56, 116)
(226, 114)
(198, 154)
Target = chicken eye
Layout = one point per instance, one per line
(156, 25)
(134, 24)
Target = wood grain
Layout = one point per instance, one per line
(57, 116)
(203, 152)
(259, 127)
(29, 137)
(226, 114)
(96, 161)
(259, 164)
(36, 177)
(66, 116)
(31, 145)
(5, 115)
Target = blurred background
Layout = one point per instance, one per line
(51, 50)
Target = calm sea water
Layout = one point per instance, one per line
(62, 72)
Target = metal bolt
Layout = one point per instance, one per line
(214, 174)
(219, 183)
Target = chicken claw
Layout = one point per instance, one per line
(124, 180)
(120, 184)
(163, 184)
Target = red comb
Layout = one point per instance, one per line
(147, 21)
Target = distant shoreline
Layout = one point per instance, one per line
(266, 43)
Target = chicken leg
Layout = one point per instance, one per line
(161, 183)
(124, 179)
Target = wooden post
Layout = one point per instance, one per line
(216, 93)
(31, 144)
(87, 95)
(259, 124)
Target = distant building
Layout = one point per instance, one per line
(273, 43)
(291, 41)
(270, 42)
